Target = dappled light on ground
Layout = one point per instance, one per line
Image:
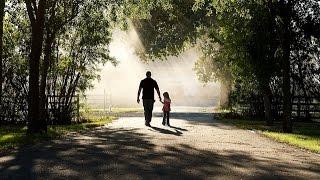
(195, 147)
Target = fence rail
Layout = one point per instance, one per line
(63, 109)
(303, 108)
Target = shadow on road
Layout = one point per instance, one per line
(127, 154)
(178, 128)
(193, 117)
(165, 131)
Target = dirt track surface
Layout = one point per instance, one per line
(196, 147)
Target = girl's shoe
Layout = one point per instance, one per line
(163, 123)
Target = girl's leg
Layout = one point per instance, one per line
(164, 118)
(168, 117)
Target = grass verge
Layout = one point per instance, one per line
(115, 111)
(14, 136)
(305, 135)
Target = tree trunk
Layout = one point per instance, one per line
(267, 105)
(36, 15)
(224, 94)
(287, 104)
(44, 73)
(2, 5)
(285, 8)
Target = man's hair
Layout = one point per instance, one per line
(148, 74)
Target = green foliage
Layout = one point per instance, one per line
(169, 28)
(77, 36)
(236, 44)
(13, 105)
(83, 46)
(241, 42)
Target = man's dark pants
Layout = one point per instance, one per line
(148, 108)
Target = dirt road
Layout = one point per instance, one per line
(195, 147)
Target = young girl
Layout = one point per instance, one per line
(166, 108)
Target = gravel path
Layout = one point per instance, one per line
(196, 147)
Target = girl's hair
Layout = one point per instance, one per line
(166, 95)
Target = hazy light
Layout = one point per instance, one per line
(175, 76)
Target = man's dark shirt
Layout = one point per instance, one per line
(148, 85)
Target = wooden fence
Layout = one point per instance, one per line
(303, 108)
(63, 109)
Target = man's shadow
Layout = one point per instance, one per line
(165, 131)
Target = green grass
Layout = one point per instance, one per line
(58, 130)
(126, 110)
(115, 111)
(302, 141)
(14, 136)
(305, 135)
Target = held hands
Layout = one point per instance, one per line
(138, 100)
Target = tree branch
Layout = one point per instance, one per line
(30, 12)
(34, 3)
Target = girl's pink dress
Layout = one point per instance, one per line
(166, 105)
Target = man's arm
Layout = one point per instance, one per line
(158, 91)
(139, 92)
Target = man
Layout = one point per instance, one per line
(148, 85)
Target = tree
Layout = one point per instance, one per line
(2, 6)
(276, 34)
(15, 66)
(285, 37)
(36, 12)
(298, 29)
(80, 48)
(59, 14)
(62, 60)
(226, 25)
(253, 41)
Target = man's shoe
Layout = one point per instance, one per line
(147, 124)
(163, 123)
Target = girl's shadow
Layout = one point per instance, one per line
(178, 128)
(165, 131)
